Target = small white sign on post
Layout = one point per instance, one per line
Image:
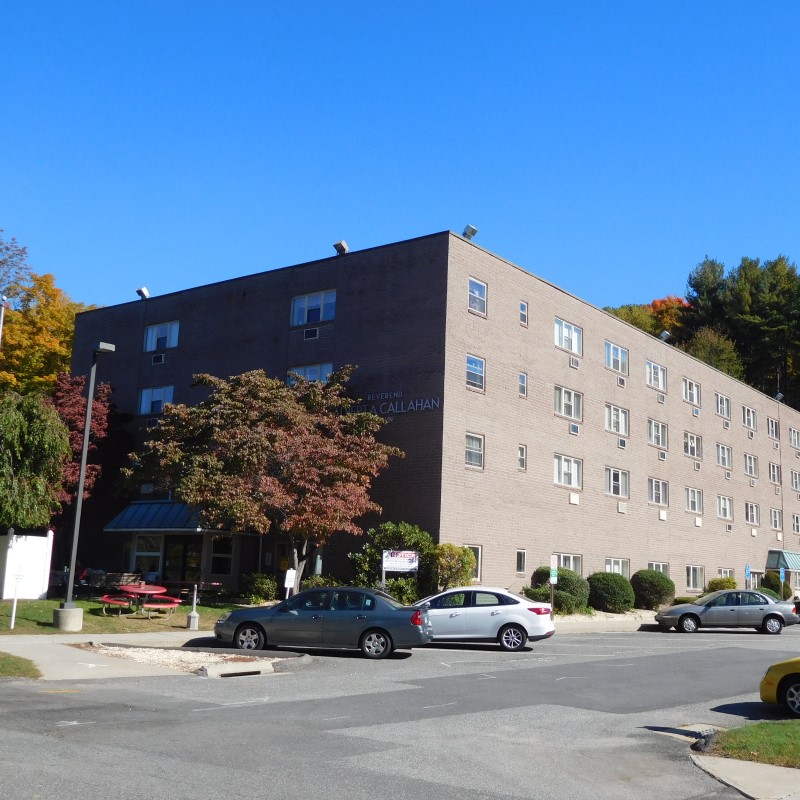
(288, 581)
(398, 561)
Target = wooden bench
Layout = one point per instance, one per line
(158, 603)
(117, 602)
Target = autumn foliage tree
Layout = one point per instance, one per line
(264, 456)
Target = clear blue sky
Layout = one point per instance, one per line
(607, 147)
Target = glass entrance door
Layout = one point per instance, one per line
(183, 558)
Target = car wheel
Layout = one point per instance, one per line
(789, 694)
(688, 623)
(376, 644)
(512, 637)
(249, 637)
(772, 625)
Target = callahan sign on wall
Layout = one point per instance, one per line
(395, 403)
(400, 561)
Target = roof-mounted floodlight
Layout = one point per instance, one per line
(104, 347)
(664, 335)
(142, 292)
(341, 247)
(779, 396)
(469, 232)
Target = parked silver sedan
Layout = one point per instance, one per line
(337, 617)
(730, 608)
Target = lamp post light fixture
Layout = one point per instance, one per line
(70, 615)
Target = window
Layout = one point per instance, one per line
(568, 403)
(616, 358)
(695, 578)
(567, 471)
(724, 455)
(616, 420)
(620, 566)
(523, 313)
(724, 507)
(795, 475)
(477, 296)
(473, 454)
(691, 392)
(751, 465)
(520, 562)
(725, 572)
(147, 554)
(773, 429)
(476, 368)
(523, 384)
(222, 555)
(657, 492)
(752, 514)
(317, 307)
(161, 336)
(692, 445)
(568, 336)
(657, 433)
(151, 401)
(656, 376)
(617, 482)
(774, 473)
(694, 500)
(522, 456)
(795, 523)
(312, 372)
(749, 417)
(776, 519)
(658, 566)
(794, 438)
(723, 404)
(569, 561)
(477, 552)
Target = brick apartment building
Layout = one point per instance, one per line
(533, 423)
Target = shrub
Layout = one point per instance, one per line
(259, 588)
(771, 581)
(679, 601)
(788, 592)
(568, 581)
(454, 565)
(611, 592)
(315, 581)
(564, 602)
(403, 590)
(715, 584)
(769, 593)
(652, 589)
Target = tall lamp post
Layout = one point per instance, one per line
(69, 617)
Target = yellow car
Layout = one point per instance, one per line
(781, 684)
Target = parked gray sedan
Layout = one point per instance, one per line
(730, 608)
(337, 617)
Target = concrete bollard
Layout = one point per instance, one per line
(68, 619)
(192, 620)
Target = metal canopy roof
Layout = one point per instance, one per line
(156, 515)
(783, 558)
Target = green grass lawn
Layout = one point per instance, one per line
(775, 743)
(14, 667)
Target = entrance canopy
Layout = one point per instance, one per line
(783, 558)
(153, 516)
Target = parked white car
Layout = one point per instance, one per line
(476, 613)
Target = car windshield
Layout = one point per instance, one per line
(393, 602)
(703, 599)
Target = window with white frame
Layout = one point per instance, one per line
(315, 307)
(523, 313)
(795, 523)
(312, 372)
(476, 372)
(794, 438)
(616, 357)
(657, 492)
(694, 500)
(724, 455)
(521, 562)
(656, 376)
(567, 403)
(616, 419)
(619, 566)
(151, 401)
(725, 572)
(691, 391)
(795, 476)
(776, 519)
(569, 561)
(658, 566)
(568, 336)
(749, 417)
(617, 482)
(567, 471)
(723, 405)
(477, 551)
(473, 453)
(773, 429)
(751, 465)
(657, 433)
(695, 578)
(147, 554)
(161, 336)
(522, 384)
(522, 456)
(752, 514)
(692, 445)
(724, 507)
(477, 296)
(774, 473)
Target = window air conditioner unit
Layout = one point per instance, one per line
(726, 423)
(622, 443)
(698, 522)
(696, 411)
(574, 428)
(662, 455)
(574, 362)
(727, 476)
(621, 381)
(798, 496)
(729, 528)
(158, 358)
(750, 434)
(697, 466)
(775, 445)
(311, 333)
(753, 483)
(661, 397)
(777, 490)
(662, 515)
(622, 508)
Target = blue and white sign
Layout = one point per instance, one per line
(747, 572)
(783, 574)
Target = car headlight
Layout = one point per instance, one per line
(223, 617)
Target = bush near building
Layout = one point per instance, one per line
(318, 581)
(563, 602)
(258, 588)
(568, 581)
(772, 581)
(652, 589)
(610, 592)
(715, 584)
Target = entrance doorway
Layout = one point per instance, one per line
(183, 559)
